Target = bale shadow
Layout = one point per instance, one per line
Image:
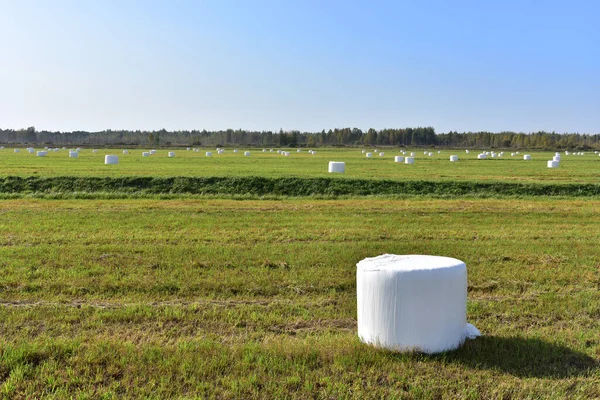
(521, 357)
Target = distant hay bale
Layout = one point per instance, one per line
(337, 167)
(111, 160)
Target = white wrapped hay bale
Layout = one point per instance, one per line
(453, 158)
(299, 151)
(247, 153)
(512, 154)
(553, 164)
(412, 154)
(187, 149)
(145, 154)
(264, 150)
(363, 151)
(41, 153)
(413, 303)
(314, 152)
(286, 153)
(439, 152)
(481, 156)
(111, 160)
(17, 150)
(337, 167)
(171, 154)
(208, 154)
(399, 159)
(425, 153)
(467, 151)
(526, 157)
(125, 151)
(556, 158)
(381, 154)
(152, 151)
(235, 150)
(369, 155)
(430, 154)
(31, 150)
(73, 154)
(409, 160)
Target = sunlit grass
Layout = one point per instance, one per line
(242, 299)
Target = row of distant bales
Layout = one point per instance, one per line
(334, 166)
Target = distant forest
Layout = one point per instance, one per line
(404, 137)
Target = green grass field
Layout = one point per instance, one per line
(573, 169)
(257, 299)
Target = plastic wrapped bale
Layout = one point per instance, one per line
(553, 164)
(314, 152)
(73, 154)
(247, 153)
(439, 152)
(152, 151)
(171, 154)
(94, 151)
(526, 157)
(187, 149)
(31, 150)
(453, 158)
(409, 160)
(412, 154)
(209, 154)
(145, 154)
(17, 150)
(512, 154)
(430, 154)
(467, 151)
(337, 167)
(399, 159)
(41, 153)
(125, 151)
(556, 158)
(369, 155)
(111, 160)
(264, 150)
(363, 151)
(481, 156)
(413, 303)
(381, 154)
(299, 151)
(235, 150)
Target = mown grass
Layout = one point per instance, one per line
(573, 169)
(260, 187)
(256, 299)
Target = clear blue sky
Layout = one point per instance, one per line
(522, 65)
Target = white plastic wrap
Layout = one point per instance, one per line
(413, 303)
(109, 159)
(41, 153)
(399, 159)
(247, 153)
(125, 151)
(337, 166)
(481, 156)
(553, 164)
(145, 154)
(17, 150)
(556, 158)
(526, 157)
(409, 160)
(369, 155)
(209, 154)
(453, 158)
(171, 154)
(73, 154)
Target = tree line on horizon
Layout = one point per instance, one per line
(401, 137)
